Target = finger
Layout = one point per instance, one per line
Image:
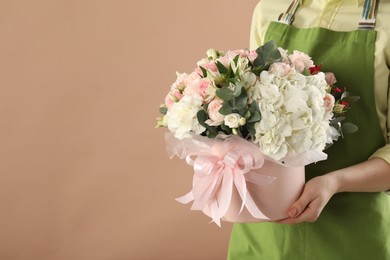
(310, 214)
(300, 205)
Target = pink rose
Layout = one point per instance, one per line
(211, 66)
(216, 118)
(233, 54)
(191, 78)
(329, 102)
(330, 78)
(300, 61)
(252, 55)
(281, 69)
(172, 97)
(203, 87)
(198, 87)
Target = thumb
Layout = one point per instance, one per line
(299, 206)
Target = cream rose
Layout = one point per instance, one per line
(232, 120)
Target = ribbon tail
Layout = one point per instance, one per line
(259, 178)
(224, 196)
(253, 209)
(203, 191)
(186, 198)
(239, 182)
(213, 207)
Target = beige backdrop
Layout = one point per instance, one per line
(83, 173)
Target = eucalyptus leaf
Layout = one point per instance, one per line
(225, 93)
(349, 128)
(241, 101)
(251, 128)
(202, 117)
(255, 117)
(226, 129)
(344, 95)
(163, 110)
(266, 55)
(337, 120)
(350, 99)
(238, 89)
(226, 108)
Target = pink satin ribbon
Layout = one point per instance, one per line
(219, 166)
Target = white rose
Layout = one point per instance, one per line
(232, 120)
(182, 117)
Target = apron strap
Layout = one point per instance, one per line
(370, 9)
(367, 21)
(288, 16)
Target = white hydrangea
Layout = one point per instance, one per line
(182, 117)
(293, 117)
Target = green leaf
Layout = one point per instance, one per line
(226, 108)
(349, 128)
(211, 130)
(204, 71)
(225, 93)
(337, 120)
(255, 117)
(257, 70)
(350, 99)
(221, 68)
(251, 128)
(241, 101)
(211, 134)
(230, 72)
(235, 60)
(267, 54)
(202, 117)
(226, 129)
(238, 89)
(163, 110)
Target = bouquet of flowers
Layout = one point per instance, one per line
(242, 110)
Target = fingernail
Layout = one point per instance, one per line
(293, 212)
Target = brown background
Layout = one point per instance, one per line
(83, 173)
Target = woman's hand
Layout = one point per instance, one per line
(316, 194)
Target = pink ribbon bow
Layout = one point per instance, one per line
(219, 166)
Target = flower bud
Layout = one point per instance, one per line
(242, 121)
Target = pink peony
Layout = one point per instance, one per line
(329, 102)
(281, 69)
(216, 118)
(330, 78)
(300, 61)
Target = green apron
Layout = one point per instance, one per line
(352, 225)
